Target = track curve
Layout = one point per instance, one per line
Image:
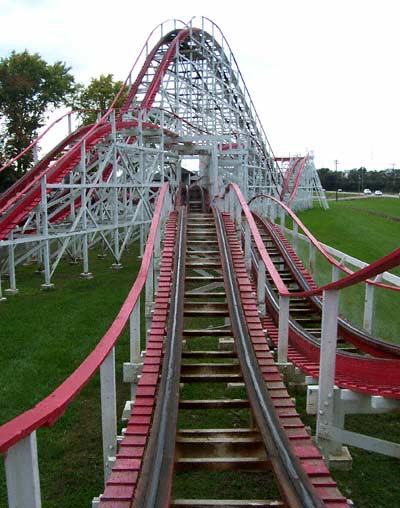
(299, 470)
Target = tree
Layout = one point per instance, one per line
(29, 88)
(97, 97)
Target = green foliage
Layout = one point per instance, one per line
(97, 96)
(356, 180)
(29, 87)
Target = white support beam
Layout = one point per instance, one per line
(282, 220)
(22, 474)
(132, 368)
(371, 444)
(108, 410)
(247, 246)
(369, 304)
(283, 329)
(311, 258)
(325, 414)
(335, 273)
(295, 237)
(149, 294)
(261, 288)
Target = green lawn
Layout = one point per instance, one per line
(45, 335)
(358, 227)
(366, 229)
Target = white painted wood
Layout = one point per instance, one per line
(22, 474)
(295, 237)
(261, 288)
(108, 410)
(311, 258)
(247, 246)
(283, 328)
(372, 444)
(327, 361)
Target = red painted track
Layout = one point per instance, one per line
(375, 376)
(121, 485)
(297, 165)
(301, 442)
(367, 375)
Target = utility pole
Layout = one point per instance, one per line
(336, 165)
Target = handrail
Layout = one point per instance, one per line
(51, 408)
(317, 244)
(362, 275)
(280, 285)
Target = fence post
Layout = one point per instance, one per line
(149, 296)
(369, 304)
(22, 474)
(295, 236)
(283, 329)
(247, 246)
(282, 221)
(132, 368)
(261, 288)
(325, 414)
(108, 410)
(311, 258)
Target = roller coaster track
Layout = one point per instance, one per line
(376, 371)
(168, 448)
(188, 99)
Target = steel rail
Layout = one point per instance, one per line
(363, 275)
(326, 254)
(373, 375)
(376, 346)
(296, 486)
(154, 487)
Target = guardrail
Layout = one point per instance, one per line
(18, 436)
(234, 203)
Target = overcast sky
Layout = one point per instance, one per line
(323, 75)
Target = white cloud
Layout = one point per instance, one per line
(323, 74)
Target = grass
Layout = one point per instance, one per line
(45, 336)
(366, 230)
(373, 480)
(349, 227)
(377, 234)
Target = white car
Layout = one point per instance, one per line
(378, 193)
(367, 191)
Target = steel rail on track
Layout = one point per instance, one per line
(296, 486)
(154, 487)
(393, 257)
(345, 326)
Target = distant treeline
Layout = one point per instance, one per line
(356, 180)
